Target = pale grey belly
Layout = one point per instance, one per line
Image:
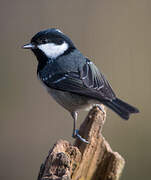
(71, 102)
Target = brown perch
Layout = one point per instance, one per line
(81, 161)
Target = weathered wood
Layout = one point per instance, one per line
(81, 161)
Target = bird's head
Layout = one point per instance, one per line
(50, 43)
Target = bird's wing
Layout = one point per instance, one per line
(87, 81)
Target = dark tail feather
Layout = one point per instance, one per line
(121, 108)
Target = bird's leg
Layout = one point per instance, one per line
(74, 115)
(75, 133)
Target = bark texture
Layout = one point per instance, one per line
(81, 161)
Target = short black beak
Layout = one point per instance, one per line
(28, 46)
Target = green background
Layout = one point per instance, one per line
(116, 36)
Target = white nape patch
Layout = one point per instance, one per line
(59, 31)
(52, 50)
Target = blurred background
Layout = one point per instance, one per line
(115, 35)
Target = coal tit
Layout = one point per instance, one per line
(71, 78)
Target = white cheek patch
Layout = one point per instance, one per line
(52, 50)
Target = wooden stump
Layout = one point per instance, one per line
(81, 161)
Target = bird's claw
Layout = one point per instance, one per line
(77, 135)
(100, 107)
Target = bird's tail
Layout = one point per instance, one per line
(121, 108)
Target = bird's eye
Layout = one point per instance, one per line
(44, 41)
(59, 41)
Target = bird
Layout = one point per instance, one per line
(71, 78)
